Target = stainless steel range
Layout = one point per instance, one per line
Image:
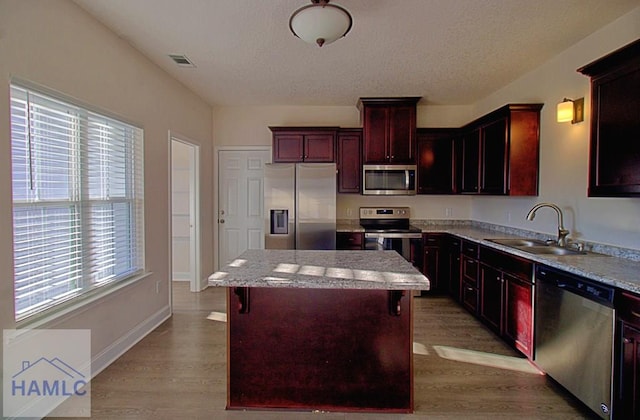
(389, 228)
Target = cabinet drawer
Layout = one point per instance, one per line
(629, 308)
(349, 240)
(470, 270)
(511, 264)
(470, 249)
(470, 296)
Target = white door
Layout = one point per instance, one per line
(240, 202)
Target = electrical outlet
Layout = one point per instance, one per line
(508, 216)
(349, 212)
(448, 212)
(157, 286)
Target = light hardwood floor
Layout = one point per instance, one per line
(179, 372)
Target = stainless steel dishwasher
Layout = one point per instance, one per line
(574, 325)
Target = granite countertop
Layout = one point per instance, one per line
(609, 265)
(384, 270)
(349, 226)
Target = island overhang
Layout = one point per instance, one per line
(322, 269)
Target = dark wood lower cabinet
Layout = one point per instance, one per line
(518, 325)
(506, 297)
(627, 360)
(324, 349)
(469, 271)
(629, 372)
(435, 263)
(350, 240)
(492, 291)
(455, 282)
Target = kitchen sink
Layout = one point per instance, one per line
(517, 242)
(535, 246)
(552, 249)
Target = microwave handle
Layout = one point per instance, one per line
(406, 179)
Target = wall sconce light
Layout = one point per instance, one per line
(571, 110)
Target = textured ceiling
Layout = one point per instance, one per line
(450, 52)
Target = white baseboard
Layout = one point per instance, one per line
(109, 355)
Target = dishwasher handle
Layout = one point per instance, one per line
(588, 289)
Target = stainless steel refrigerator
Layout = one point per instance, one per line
(300, 205)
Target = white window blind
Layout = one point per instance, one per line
(77, 200)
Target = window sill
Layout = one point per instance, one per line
(77, 305)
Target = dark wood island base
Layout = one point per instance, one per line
(320, 349)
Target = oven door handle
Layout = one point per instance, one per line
(393, 235)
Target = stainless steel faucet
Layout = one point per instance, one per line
(562, 232)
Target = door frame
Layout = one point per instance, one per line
(216, 195)
(194, 213)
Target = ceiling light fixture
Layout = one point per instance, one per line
(320, 22)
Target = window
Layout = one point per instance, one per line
(77, 200)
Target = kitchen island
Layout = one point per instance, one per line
(320, 330)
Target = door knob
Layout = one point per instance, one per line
(221, 220)
(222, 212)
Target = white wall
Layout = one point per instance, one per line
(244, 126)
(563, 155)
(56, 44)
(564, 148)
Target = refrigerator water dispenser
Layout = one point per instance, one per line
(280, 222)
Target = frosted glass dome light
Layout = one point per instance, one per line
(320, 22)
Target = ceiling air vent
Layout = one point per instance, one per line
(181, 60)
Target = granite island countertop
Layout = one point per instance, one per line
(382, 270)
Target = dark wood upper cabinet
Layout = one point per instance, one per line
(614, 161)
(469, 161)
(436, 164)
(499, 152)
(349, 162)
(389, 129)
(304, 144)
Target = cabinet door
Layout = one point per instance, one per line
(614, 162)
(435, 162)
(349, 162)
(319, 148)
(491, 290)
(470, 161)
(518, 328)
(288, 148)
(494, 157)
(402, 134)
(376, 131)
(615, 151)
(431, 267)
(454, 268)
(629, 371)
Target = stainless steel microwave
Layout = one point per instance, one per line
(389, 179)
